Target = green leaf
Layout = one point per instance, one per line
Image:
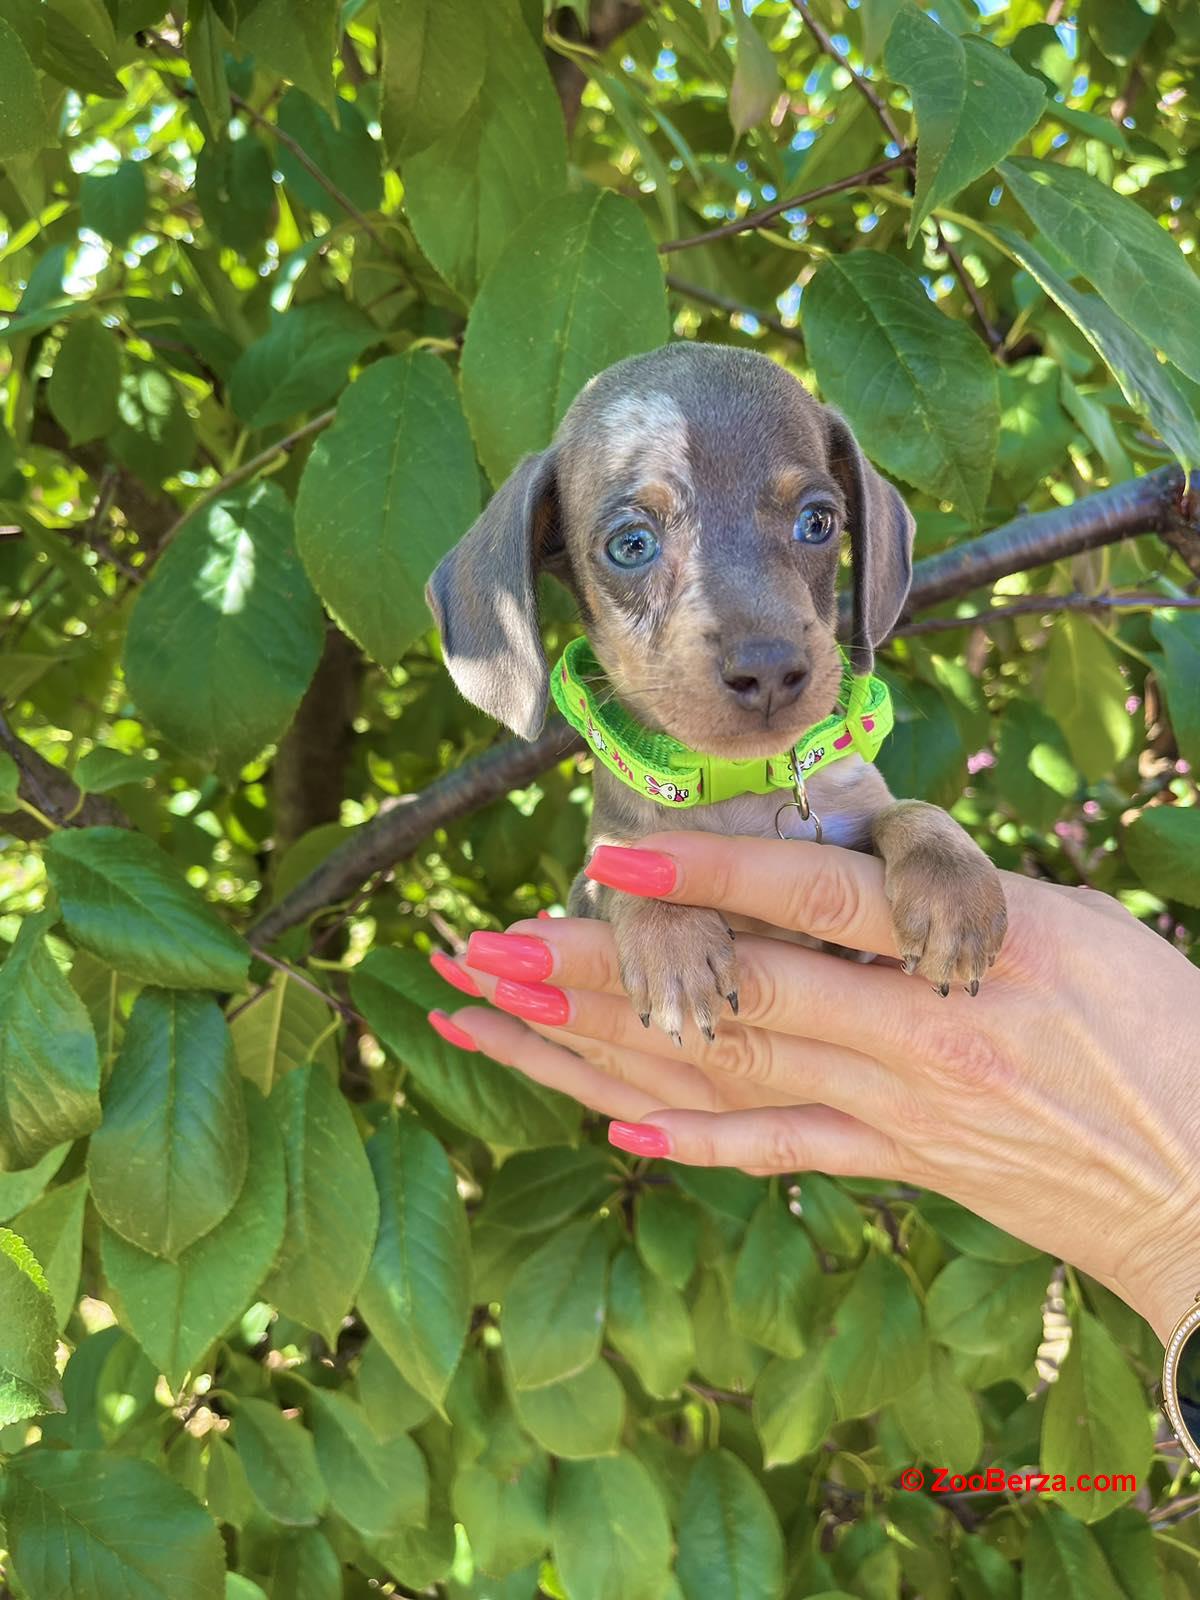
(79, 44)
(553, 1311)
(391, 1403)
(972, 103)
(729, 1538)
(1178, 632)
(93, 1527)
(666, 1231)
(506, 1518)
(52, 1227)
(938, 1417)
(395, 989)
(83, 388)
(346, 154)
(935, 421)
(10, 782)
(295, 38)
(1162, 846)
(206, 42)
(416, 1296)
(114, 204)
(153, 436)
(723, 1356)
(432, 70)
(544, 1188)
(231, 584)
(280, 1459)
(377, 1486)
(649, 1324)
(236, 192)
(387, 491)
(865, 1372)
(1135, 264)
(300, 362)
(776, 1281)
(49, 1065)
(1062, 1561)
(831, 1217)
(23, 126)
(793, 1408)
(103, 769)
(973, 1235)
(304, 1566)
(176, 1309)
(284, 1029)
(28, 1336)
(984, 1307)
(577, 287)
(1084, 692)
(1145, 382)
(18, 1190)
(609, 1530)
(1096, 1422)
(123, 899)
(755, 86)
(333, 1207)
(169, 1159)
(466, 193)
(579, 1418)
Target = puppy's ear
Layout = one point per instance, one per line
(881, 542)
(483, 596)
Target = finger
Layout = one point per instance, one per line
(817, 889)
(575, 950)
(610, 1082)
(793, 1139)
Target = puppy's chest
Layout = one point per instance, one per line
(835, 796)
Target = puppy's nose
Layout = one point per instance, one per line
(765, 674)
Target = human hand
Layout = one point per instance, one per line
(1062, 1104)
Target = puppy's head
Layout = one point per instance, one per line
(694, 501)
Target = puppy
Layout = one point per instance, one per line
(693, 501)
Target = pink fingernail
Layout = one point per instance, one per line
(639, 1138)
(633, 871)
(510, 955)
(543, 915)
(453, 974)
(535, 1002)
(451, 1032)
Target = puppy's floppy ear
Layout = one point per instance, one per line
(881, 542)
(483, 596)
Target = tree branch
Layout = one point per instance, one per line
(1037, 605)
(732, 308)
(1151, 504)
(868, 91)
(54, 793)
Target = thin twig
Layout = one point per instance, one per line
(868, 91)
(334, 1004)
(732, 308)
(239, 475)
(991, 333)
(1046, 604)
(759, 219)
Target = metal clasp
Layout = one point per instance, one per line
(800, 803)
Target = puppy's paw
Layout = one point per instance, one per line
(947, 899)
(676, 962)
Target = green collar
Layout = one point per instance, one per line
(662, 769)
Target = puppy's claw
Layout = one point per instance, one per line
(708, 1032)
(645, 1016)
(910, 964)
(732, 997)
(678, 1038)
(942, 988)
(973, 987)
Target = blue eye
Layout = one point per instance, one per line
(632, 547)
(814, 525)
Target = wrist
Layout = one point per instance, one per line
(1161, 1280)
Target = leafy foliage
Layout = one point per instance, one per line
(299, 1300)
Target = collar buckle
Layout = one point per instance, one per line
(800, 802)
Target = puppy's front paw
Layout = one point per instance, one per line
(947, 900)
(676, 962)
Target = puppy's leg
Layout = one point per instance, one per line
(947, 902)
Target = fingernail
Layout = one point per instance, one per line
(639, 1138)
(535, 1002)
(510, 955)
(450, 1031)
(634, 871)
(452, 973)
(543, 915)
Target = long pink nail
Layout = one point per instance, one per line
(536, 1002)
(639, 1138)
(510, 955)
(453, 974)
(450, 1031)
(633, 871)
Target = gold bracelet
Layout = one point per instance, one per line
(1181, 1381)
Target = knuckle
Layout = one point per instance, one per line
(825, 903)
(780, 1149)
(970, 1059)
(738, 1053)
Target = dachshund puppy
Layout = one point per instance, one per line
(693, 501)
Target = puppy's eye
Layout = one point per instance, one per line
(814, 525)
(632, 547)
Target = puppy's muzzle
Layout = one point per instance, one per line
(764, 675)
